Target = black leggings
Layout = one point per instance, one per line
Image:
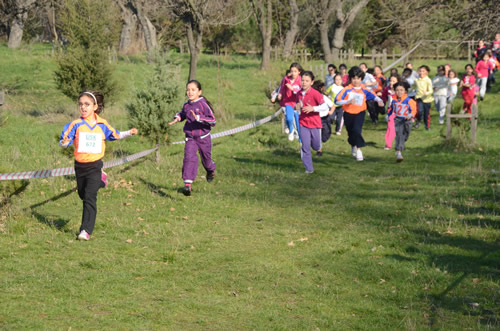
(88, 181)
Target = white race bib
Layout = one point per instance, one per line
(90, 143)
(358, 98)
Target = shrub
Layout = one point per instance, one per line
(90, 27)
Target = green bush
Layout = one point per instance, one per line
(154, 106)
(91, 28)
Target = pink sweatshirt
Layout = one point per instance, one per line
(289, 97)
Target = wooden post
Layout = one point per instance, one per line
(384, 58)
(393, 55)
(473, 125)
(2, 97)
(448, 122)
(373, 57)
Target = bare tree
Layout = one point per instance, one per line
(18, 13)
(196, 15)
(263, 13)
(322, 12)
(293, 29)
(129, 26)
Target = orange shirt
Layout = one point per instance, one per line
(360, 95)
(89, 140)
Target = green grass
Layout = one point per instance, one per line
(374, 245)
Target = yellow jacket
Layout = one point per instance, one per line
(424, 89)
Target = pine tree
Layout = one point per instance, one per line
(90, 27)
(155, 106)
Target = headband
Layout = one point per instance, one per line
(93, 96)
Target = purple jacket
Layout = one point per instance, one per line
(201, 122)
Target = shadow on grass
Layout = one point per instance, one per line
(480, 260)
(157, 189)
(57, 197)
(6, 195)
(58, 223)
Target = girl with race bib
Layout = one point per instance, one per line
(88, 134)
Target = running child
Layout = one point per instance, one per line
(468, 82)
(332, 71)
(310, 104)
(424, 96)
(453, 88)
(290, 86)
(353, 100)
(338, 114)
(482, 71)
(88, 134)
(440, 84)
(343, 74)
(199, 117)
(404, 109)
(326, 115)
(387, 95)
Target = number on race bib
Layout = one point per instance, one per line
(90, 143)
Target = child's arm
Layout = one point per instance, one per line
(67, 135)
(413, 108)
(179, 117)
(206, 117)
(129, 133)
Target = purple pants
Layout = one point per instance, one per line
(190, 164)
(310, 138)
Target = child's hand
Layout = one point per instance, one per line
(65, 141)
(380, 103)
(174, 121)
(196, 117)
(409, 116)
(308, 109)
(279, 97)
(133, 131)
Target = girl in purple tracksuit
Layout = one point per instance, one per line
(197, 112)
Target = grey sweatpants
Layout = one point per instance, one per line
(403, 128)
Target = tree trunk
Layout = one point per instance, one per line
(194, 37)
(51, 19)
(337, 42)
(343, 22)
(149, 32)
(16, 30)
(263, 16)
(128, 28)
(293, 29)
(325, 42)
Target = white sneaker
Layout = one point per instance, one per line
(290, 136)
(386, 148)
(83, 235)
(399, 157)
(309, 172)
(338, 133)
(441, 122)
(287, 130)
(359, 155)
(354, 151)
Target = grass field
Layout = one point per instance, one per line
(371, 245)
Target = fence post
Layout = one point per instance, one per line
(393, 55)
(473, 126)
(384, 57)
(448, 122)
(373, 57)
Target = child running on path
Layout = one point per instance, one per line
(311, 103)
(404, 108)
(290, 86)
(88, 134)
(424, 96)
(353, 99)
(326, 115)
(197, 112)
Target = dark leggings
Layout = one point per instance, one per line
(88, 181)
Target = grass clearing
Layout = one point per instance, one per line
(356, 245)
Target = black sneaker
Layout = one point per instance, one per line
(210, 176)
(186, 190)
(320, 153)
(417, 124)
